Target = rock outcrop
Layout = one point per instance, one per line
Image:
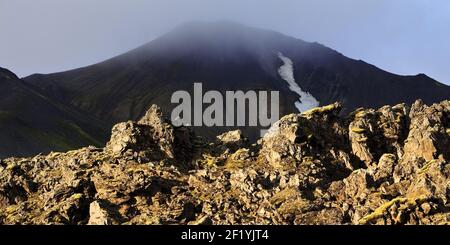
(385, 166)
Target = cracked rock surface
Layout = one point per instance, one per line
(384, 166)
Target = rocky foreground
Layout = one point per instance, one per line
(385, 166)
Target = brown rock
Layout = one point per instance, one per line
(99, 215)
(385, 166)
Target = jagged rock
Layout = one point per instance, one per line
(151, 136)
(428, 137)
(358, 183)
(134, 140)
(98, 215)
(328, 216)
(233, 139)
(279, 141)
(162, 131)
(296, 137)
(375, 132)
(384, 166)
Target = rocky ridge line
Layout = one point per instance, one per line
(385, 166)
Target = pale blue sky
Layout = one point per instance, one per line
(401, 36)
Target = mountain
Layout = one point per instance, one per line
(228, 56)
(31, 123)
(383, 166)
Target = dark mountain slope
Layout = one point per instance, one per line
(227, 56)
(31, 123)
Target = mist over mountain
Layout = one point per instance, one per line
(228, 56)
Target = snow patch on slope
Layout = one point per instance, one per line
(286, 71)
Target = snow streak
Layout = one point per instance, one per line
(286, 71)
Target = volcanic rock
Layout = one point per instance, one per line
(384, 166)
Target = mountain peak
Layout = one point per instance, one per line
(204, 25)
(227, 56)
(7, 74)
(219, 31)
(222, 40)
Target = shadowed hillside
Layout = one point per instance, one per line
(31, 123)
